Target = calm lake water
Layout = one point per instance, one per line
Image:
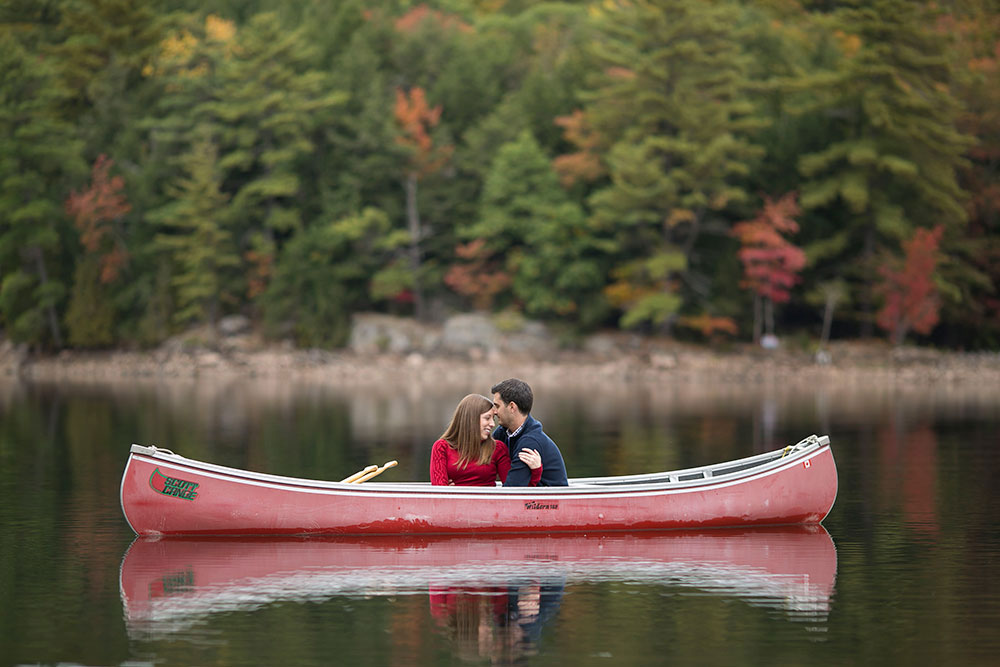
(904, 570)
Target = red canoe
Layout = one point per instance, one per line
(167, 585)
(166, 494)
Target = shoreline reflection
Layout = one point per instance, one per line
(489, 594)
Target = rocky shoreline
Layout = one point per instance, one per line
(474, 350)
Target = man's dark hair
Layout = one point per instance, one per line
(517, 391)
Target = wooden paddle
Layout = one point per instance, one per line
(378, 471)
(365, 471)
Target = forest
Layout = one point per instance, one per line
(709, 170)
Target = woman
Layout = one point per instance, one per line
(466, 454)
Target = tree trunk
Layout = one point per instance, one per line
(756, 318)
(413, 224)
(867, 318)
(50, 312)
(831, 302)
(769, 316)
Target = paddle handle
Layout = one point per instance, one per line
(377, 471)
(360, 473)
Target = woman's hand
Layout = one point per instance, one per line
(531, 458)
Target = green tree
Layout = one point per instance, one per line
(671, 110)
(39, 158)
(268, 105)
(556, 263)
(325, 273)
(892, 148)
(90, 318)
(194, 234)
(972, 30)
(100, 49)
(265, 103)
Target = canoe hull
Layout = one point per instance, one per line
(164, 494)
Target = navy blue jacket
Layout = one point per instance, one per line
(532, 437)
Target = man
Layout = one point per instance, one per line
(512, 400)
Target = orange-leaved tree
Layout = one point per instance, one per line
(770, 263)
(583, 164)
(416, 119)
(95, 211)
(908, 287)
(480, 276)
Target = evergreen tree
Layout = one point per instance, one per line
(324, 274)
(90, 318)
(528, 220)
(194, 234)
(672, 113)
(100, 50)
(39, 157)
(890, 160)
(973, 319)
(268, 106)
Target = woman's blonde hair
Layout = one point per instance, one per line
(463, 431)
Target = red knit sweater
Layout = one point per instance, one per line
(445, 469)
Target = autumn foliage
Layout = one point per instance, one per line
(478, 276)
(416, 119)
(911, 297)
(709, 325)
(583, 165)
(770, 263)
(94, 211)
(413, 19)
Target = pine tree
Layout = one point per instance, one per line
(673, 117)
(529, 221)
(101, 48)
(265, 103)
(269, 104)
(973, 259)
(193, 232)
(39, 157)
(890, 160)
(325, 273)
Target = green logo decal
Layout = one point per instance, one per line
(171, 486)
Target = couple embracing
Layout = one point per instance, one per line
(471, 452)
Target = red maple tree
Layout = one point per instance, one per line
(911, 296)
(771, 264)
(95, 210)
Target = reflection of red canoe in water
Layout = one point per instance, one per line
(166, 494)
(166, 584)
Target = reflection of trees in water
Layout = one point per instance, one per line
(328, 430)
